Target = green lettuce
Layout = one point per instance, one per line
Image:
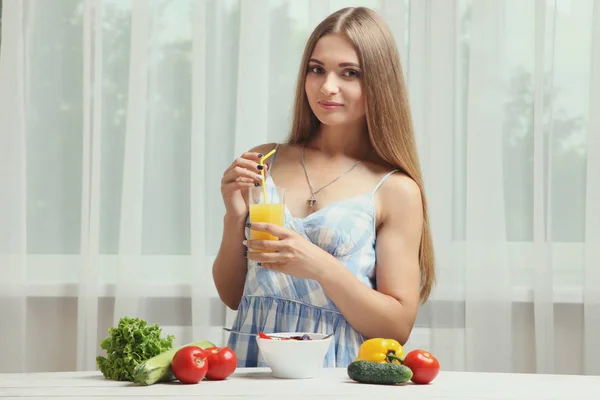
(132, 342)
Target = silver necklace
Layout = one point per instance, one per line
(313, 198)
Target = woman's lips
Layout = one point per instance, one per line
(330, 105)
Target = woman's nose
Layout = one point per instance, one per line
(329, 86)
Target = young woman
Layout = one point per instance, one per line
(355, 256)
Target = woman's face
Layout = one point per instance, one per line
(334, 82)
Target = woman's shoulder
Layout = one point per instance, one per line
(394, 182)
(285, 151)
(267, 147)
(401, 198)
(403, 187)
(397, 192)
(263, 148)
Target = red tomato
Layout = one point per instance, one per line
(423, 364)
(222, 362)
(189, 364)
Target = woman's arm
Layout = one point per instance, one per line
(230, 267)
(389, 312)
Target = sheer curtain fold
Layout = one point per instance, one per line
(201, 288)
(591, 275)
(416, 65)
(13, 188)
(130, 274)
(438, 124)
(87, 300)
(488, 303)
(253, 76)
(440, 131)
(395, 13)
(545, 34)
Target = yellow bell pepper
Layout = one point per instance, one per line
(381, 351)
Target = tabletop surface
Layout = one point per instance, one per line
(331, 383)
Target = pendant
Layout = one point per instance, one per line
(312, 201)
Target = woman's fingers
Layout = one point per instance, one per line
(239, 172)
(266, 257)
(269, 245)
(275, 230)
(250, 161)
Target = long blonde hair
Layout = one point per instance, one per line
(388, 116)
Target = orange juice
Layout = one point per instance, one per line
(268, 213)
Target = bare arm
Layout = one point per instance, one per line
(389, 312)
(230, 267)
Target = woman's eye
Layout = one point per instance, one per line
(315, 69)
(350, 73)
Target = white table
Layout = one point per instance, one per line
(257, 383)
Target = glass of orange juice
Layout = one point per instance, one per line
(270, 211)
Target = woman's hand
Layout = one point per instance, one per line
(242, 174)
(292, 254)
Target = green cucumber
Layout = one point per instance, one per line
(379, 373)
(158, 368)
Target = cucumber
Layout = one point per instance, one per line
(379, 373)
(158, 368)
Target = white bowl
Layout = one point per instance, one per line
(294, 359)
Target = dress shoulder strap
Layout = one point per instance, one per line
(383, 179)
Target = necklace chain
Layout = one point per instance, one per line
(313, 199)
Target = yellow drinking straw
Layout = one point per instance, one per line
(262, 172)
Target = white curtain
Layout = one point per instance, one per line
(118, 117)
